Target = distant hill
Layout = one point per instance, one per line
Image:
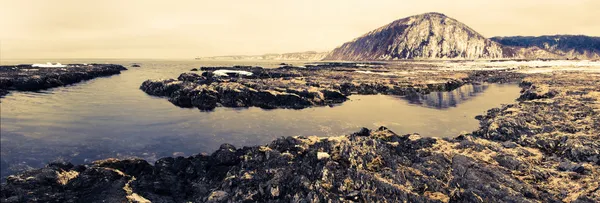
(567, 46)
(429, 35)
(307, 56)
(437, 36)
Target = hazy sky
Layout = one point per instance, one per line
(185, 29)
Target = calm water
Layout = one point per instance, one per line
(111, 117)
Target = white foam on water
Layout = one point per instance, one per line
(49, 65)
(376, 73)
(224, 72)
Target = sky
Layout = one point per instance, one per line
(189, 28)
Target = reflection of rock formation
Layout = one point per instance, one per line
(442, 100)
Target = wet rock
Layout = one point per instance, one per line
(570, 166)
(191, 77)
(535, 92)
(28, 78)
(60, 164)
(333, 95)
(509, 144)
(218, 196)
(363, 132)
(226, 155)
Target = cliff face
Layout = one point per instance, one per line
(565, 46)
(305, 56)
(430, 35)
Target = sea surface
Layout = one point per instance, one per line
(111, 117)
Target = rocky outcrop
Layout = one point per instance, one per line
(303, 56)
(561, 46)
(430, 35)
(28, 78)
(559, 115)
(206, 93)
(292, 87)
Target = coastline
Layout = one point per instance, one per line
(542, 148)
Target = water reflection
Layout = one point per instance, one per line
(442, 100)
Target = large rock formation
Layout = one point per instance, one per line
(565, 46)
(430, 35)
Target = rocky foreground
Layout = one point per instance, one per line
(314, 85)
(29, 78)
(545, 148)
